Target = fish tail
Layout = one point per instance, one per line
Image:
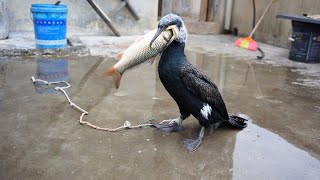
(237, 122)
(115, 74)
(108, 72)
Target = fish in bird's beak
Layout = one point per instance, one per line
(140, 51)
(173, 28)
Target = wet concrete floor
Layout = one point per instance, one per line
(40, 136)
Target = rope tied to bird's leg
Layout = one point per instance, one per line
(126, 125)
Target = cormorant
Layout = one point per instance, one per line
(192, 90)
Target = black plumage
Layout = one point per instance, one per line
(189, 87)
(193, 91)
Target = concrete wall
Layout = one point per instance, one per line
(189, 10)
(271, 30)
(82, 19)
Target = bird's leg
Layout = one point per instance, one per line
(171, 121)
(177, 120)
(172, 125)
(194, 144)
(216, 125)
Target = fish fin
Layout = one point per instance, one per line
(154, 58)
(108, 72)
(147, 35)
(115, 74)
(118, 56)
(151, 60)
(116, 79)
(138, 39)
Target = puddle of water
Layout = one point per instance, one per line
(41, 136)
(262, 154)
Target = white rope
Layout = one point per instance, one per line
(126, 125)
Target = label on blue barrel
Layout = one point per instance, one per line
(50, 32)
(49, 22)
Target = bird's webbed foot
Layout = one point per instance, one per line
(194, 143)
(171, 125)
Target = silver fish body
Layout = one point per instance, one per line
(140, 51)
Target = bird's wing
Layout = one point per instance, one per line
(201, 86)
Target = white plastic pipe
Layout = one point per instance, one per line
(227, 19)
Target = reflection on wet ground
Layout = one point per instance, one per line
(41, 138)
(51, 70)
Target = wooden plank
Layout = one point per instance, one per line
(203, 10)
(131, 10)
(128, 6)
(166, 7)
(103, 16)
(159, 8)
(122, 4)
(211, 10)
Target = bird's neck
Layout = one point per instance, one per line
(175, 48)
(172, 55)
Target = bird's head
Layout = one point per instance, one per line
(174, 23)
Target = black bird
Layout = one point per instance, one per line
(192, 90)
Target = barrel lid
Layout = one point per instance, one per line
(49, 8)
(299, 18)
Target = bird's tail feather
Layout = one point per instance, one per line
(237, 122)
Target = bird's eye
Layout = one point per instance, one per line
(161, 26)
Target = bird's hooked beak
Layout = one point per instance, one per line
(173, 28)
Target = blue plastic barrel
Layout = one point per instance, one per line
(50, 25)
